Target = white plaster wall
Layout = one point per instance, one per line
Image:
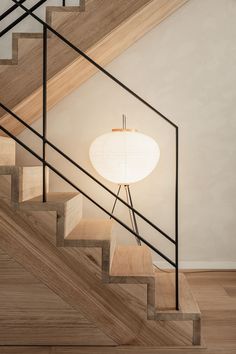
(186, 67)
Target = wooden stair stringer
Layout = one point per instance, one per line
(32, 314)
(73, 277)
(103, 50)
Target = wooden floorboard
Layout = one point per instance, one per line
(219, 324)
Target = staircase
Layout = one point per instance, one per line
(120, 264)
(26, 220)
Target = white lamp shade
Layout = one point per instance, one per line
(124, 157)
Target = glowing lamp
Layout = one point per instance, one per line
(124, 156)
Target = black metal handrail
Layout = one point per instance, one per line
(60, 152)
(10, 10)
(47, 28)
(87, 196)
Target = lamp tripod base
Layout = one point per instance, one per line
(132, 215)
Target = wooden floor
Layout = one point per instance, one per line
(216, 294)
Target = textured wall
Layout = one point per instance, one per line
(186, 67)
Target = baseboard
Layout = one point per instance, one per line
(199, 265)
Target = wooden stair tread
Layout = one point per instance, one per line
(53, 197)
(165, 298)
(132, 261)
(90, 229)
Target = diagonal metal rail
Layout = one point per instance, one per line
(87, 196)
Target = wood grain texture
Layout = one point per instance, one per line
(50, 10)
(69, 272)
(48, 264)
(26, 181)
(31, 313)
(218, 324)
(94, 233)
(106, 29)
(165, 299)
(110, 350)
(132, 261)
(68, 207)
(7, 151)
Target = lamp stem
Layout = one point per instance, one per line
(117, 195)
(123, 121)
(131, 212)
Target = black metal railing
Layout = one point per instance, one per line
(47, 29)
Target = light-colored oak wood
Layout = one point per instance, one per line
(131, 265)
(91, 230)
(114, 350)
(26, 182)
(31, 182)
(218, 325)
(68, 207)
(48, 264)
(165, 299)
(94, 233)
(74, 274)
(101, 38)
(132, 261)
(165, 303)
(7, 151)
(31, 313)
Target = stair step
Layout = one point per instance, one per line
(132, 261)
(7, 151)
(90, 230)
(165, 299)
(68, 206)
(26, 181)
(54, 201)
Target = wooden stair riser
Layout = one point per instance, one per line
(165, 303)
(26, 182)
(52, 266)
(95, 234)
(66, 221)
(68, 212)
(7, 151)
(105, 248)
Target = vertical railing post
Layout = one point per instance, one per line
(45, 34)
(177, 218)
(63, 2)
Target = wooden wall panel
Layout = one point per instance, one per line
(30, 313)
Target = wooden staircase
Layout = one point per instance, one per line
(27, 242)
(101, 28)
